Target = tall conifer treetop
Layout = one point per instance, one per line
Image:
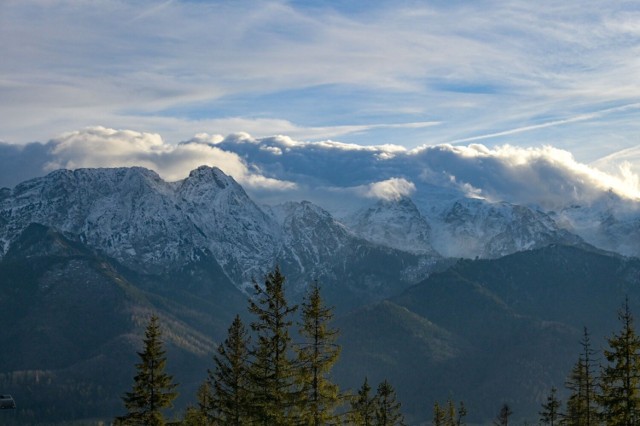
(273, 373)
(226, 395)
(153, 389)
(316, 356)
(620, 379)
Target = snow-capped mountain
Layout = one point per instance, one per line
(470, 227)
(241, 236)
(611, 223)
(149, 225)
(136, 218)
(311, 236)
(394, 223)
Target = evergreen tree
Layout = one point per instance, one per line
(227, 400)
(550, 413)
(205, 413)
(581, 407)
(620, 396)
(273, 373)
(462, 414)
(363, 407)
(449, 416)
(153, 389)
(503, 416)
(194, 416)
(439, 417)
(388, 408)
(316, 357)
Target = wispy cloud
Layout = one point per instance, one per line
(575, 119)
(183, 67)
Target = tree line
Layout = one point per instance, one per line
(263, 377)
(601, 394)
(260, 376)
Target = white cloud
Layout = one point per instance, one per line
(390, 189)
(545, 176)
(102, 147)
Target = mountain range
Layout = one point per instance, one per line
(87, 255)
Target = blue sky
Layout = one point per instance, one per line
(408, 73)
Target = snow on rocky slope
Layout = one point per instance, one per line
(133, 216)
(152, 226)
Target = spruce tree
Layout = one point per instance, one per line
(227, 400)
(388, 408)
(620, 395)
(439, 416)
(581, 404)
(550, 413)
(316, 356)
(153, 389)
(194, 416)
(205, 413)
(273, 373)
(449, 416)
(363, 407)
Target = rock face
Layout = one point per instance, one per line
(397, 223)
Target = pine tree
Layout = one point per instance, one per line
(316, 357)
(153, 389)
(388, 408)
(363, 407)
(550, 413)
(581, 407)
(620, 398)
(273, 373)
(228, 399)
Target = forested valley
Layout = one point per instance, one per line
(278, 371)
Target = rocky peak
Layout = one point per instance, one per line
(393, 223)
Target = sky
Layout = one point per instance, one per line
(162, 84)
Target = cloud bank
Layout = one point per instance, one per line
(103, 147)
(543, 176)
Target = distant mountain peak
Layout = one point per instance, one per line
(393, 223)
(211, 175)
